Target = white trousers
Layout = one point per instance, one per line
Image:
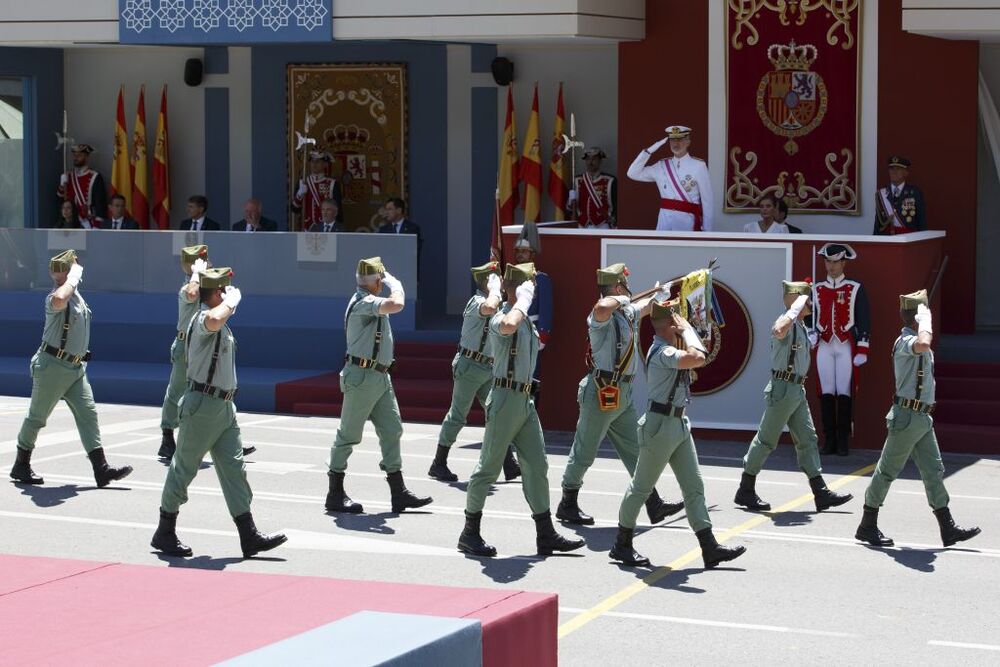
(835, 364)
(674, 221)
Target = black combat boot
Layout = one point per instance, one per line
(657, 510)
(103, 473)
(165, 538)
(746, 495)
(247, 451)
(950, 533)
(824, 497)
(828, 410)
(439, 467)
(337, 499)
(548, 540)
(403, 498)
(623, 551)
(470, 541)
(21, 471)
(252, 541)
(569, 509)
(868, 529)
(511, 468)
(713, 553)
(845, 420)
(167, 445)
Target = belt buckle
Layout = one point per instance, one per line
(76, 359)
(60, 354)
(366, 363)
(526, 389)
(229, 395)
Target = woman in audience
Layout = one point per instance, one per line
(767, 224)
(68, 218)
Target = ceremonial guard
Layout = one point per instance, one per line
(85, 188)
(665, 437)
(899, 206)
(208, 421)
(367, 387)
(317, 187)
(472, 367)
(911, 428)
(787, 406)
(605, 394)
(842, 324)
(685, 190)
(511, 417)
(59, 372)
(593, 201)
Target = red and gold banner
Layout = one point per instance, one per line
(793, 83)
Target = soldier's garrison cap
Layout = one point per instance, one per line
(484, 271)
(82, 148)
(899, 161)
(372, 266)
(220, 277)
(612, 275)
(912, 300)
(799, 287)
(62, 261)
(518, 273)
(677, 132)
(837, 251)
(663, 310)
(193, 253)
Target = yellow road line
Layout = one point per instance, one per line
(616, 599)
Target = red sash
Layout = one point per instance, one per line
(684, 207)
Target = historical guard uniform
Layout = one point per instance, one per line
(511, 417)
(315, 188)
(85, 188)
(842, 323)
(683, 182)
(899, 206)
(605, 394)
(665, 437)
(367, 386)
(911, 428)
(59, 372)
(593, 201)
(472, 367)
(208, 422)
(787, 406)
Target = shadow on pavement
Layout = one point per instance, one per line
(505, 570)
(921, 560)
(364, 523)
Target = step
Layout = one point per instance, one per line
(953, 387)
(966, 411)
(961, 369)
(962, 438)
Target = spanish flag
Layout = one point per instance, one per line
(531, 167)
(121, 170)
(140, 167)
(507, 181)
(557, 164)
(161, 168)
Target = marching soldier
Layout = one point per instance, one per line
(59, 372)
(85, 188)
(511, 417)
(472, 367)
(605, 394)
(787, 405)
(367, 387)
(911, 429)
(899, 207)
(317, 188)
(665, 437)
(842, 322)
(593, 201)
(685, 189)
(208, 422)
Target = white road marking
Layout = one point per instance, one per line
(71, 435)
(80, 453)
(982, 647)
(922, 494)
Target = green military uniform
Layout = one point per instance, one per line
(178, 363)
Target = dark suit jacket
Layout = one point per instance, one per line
(408, 227)
(266, 225)
(338, 226)
(792, 229)
(127, 223)
(208, 226)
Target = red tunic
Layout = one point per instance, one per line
(596, 199)
(317, 190)
(80, 191)
(842, 313)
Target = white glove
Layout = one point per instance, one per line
(664, 287)
(655, 147)
(860, 359)
(571, 197)
(231, 297)
(796, 308)
(63, 179)
(814, 338)
(392, 283)
(75, 275)
(302, 189)
(525, 294)
(622, 300)
(493, 285)
(691, 340)
(199, 267)
(923, 318)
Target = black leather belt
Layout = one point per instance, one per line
(61, 354)
(368, 363)
(913, 404)
(475, 356)
(209, 390)
(182, 335)
(613, 378)
(519, 387)
(788, 376)
(667, 410)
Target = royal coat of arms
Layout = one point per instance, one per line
(791, 99)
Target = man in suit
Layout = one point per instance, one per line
(328, 212)
(253, 221)
(197, 221)
(397, 222)
(117, 218)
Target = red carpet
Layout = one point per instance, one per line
(967, 416)
(88, 613)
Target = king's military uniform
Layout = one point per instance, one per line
(899, 209)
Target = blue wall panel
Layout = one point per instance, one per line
(217, 154)
(485, 158)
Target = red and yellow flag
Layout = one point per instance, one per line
(531, 167)
(507, 183)
(140, 167)
(557, 164)
(121, 170)
(161, 168)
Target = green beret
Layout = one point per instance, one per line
(483, 272)
(194, 252)
(62, 262)
(663, 310)
(801, 287)
(911, 301)
(612, 275)
(372, 266)
(518, 273)
(220, 277)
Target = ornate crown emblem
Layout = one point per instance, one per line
(347, 138)
(791, 56)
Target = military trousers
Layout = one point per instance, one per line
(53, 380)
(591, 427)
(786, 404)
(472, 380)
(664, 440)
(368, 395)
(176, 387)
(208, 425)
(511, 418)
(910, 434)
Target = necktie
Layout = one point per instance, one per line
(326, 227)
(118, 224)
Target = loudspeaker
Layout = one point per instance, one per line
(193, 69)
(503, 71)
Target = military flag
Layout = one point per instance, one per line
(161, 168)
(140, 166)
(121, 170)
(531, 167)
(557, 163)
